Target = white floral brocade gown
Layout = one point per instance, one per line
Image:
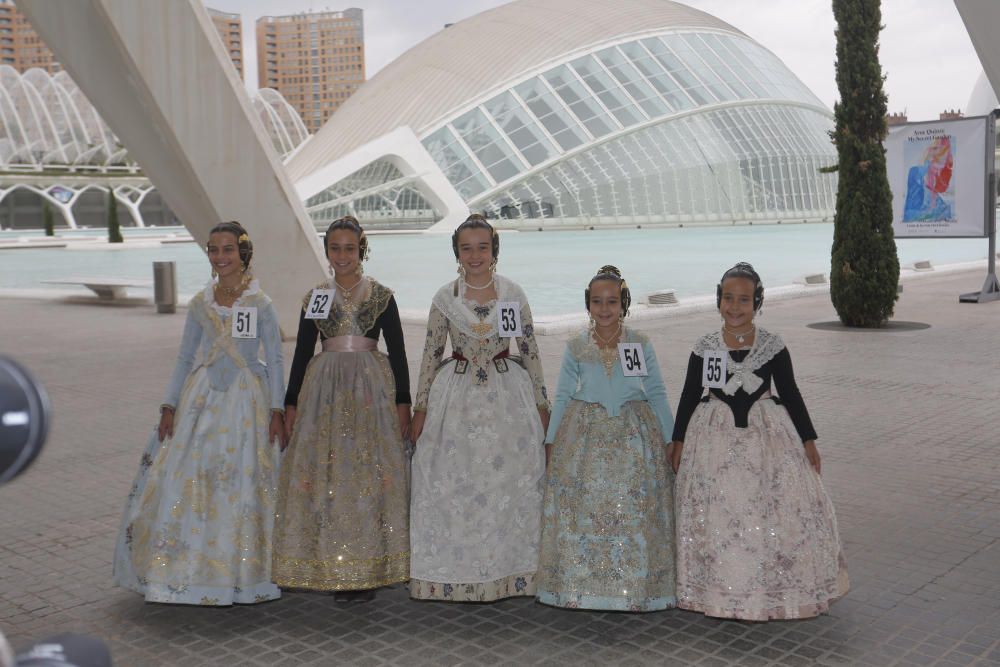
(477, 473)
(757, 535)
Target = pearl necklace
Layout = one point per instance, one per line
(475, 287)
(740, 337)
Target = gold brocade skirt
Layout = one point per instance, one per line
(342, 519)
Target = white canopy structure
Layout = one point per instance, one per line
(53, 143)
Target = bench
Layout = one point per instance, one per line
(109, 289)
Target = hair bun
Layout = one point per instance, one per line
(609, 268)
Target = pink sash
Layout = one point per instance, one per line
(350, 344)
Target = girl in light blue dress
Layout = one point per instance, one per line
(197, 524)
(608, 528)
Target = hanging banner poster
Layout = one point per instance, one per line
(938, 172)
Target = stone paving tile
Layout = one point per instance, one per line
(908, 423)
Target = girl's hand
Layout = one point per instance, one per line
(675, 455)
(277, 430)
(417, 425)
(403, 410)
(166, 427)
(812, 454)
(543, 414)
(289, 424)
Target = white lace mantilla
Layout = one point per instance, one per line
(461, 315)
(741, 374)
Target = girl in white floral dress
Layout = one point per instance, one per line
(756, 532)
(479, 422)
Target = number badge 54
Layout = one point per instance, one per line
(633, 359)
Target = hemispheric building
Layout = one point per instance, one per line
(548, 113)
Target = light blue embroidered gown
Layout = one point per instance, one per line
(197, 525)
(608, 527)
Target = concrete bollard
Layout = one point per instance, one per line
(165, 287)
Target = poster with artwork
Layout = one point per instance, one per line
(938, 172)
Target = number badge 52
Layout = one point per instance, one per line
(713, 370)
(633, 359)
(245, 322)
(319, 304)
(509, 319)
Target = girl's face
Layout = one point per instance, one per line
(605, 302)
(224, 254)
(737, 302)
(343, 251)
(475, 253)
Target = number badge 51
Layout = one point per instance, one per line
(713, 369)
(245, 322)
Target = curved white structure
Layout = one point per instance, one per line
(47, 123)
(576, 112)
(52, 137)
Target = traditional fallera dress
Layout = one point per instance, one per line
(608, 522)
(343, 503)
(197, 525)
(479, 463)
(756, 532)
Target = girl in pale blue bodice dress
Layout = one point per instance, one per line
(607, 528)
(197, 524)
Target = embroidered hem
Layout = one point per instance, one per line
(515, 585)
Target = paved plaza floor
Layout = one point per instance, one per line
(909, 424)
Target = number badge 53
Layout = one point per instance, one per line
(509, 319)
(245, 322)
(713, 369)
(633, 359)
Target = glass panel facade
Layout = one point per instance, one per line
(618, 135)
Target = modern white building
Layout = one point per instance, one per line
(55, 147)
(548, 113)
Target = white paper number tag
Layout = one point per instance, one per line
(245, 322)
(713, 370)
(319, 304)
(633, 359)
(509, 318)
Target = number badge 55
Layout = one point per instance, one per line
(245, 322)
(713, 369)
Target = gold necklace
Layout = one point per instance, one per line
(229, 291)
(346, 291)
(609, 355)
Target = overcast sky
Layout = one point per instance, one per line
(926, 53)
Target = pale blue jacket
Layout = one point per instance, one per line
(208, 331)
(583, 378)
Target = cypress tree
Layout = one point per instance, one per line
(864, 268)
(50, 229)
(114, 229)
